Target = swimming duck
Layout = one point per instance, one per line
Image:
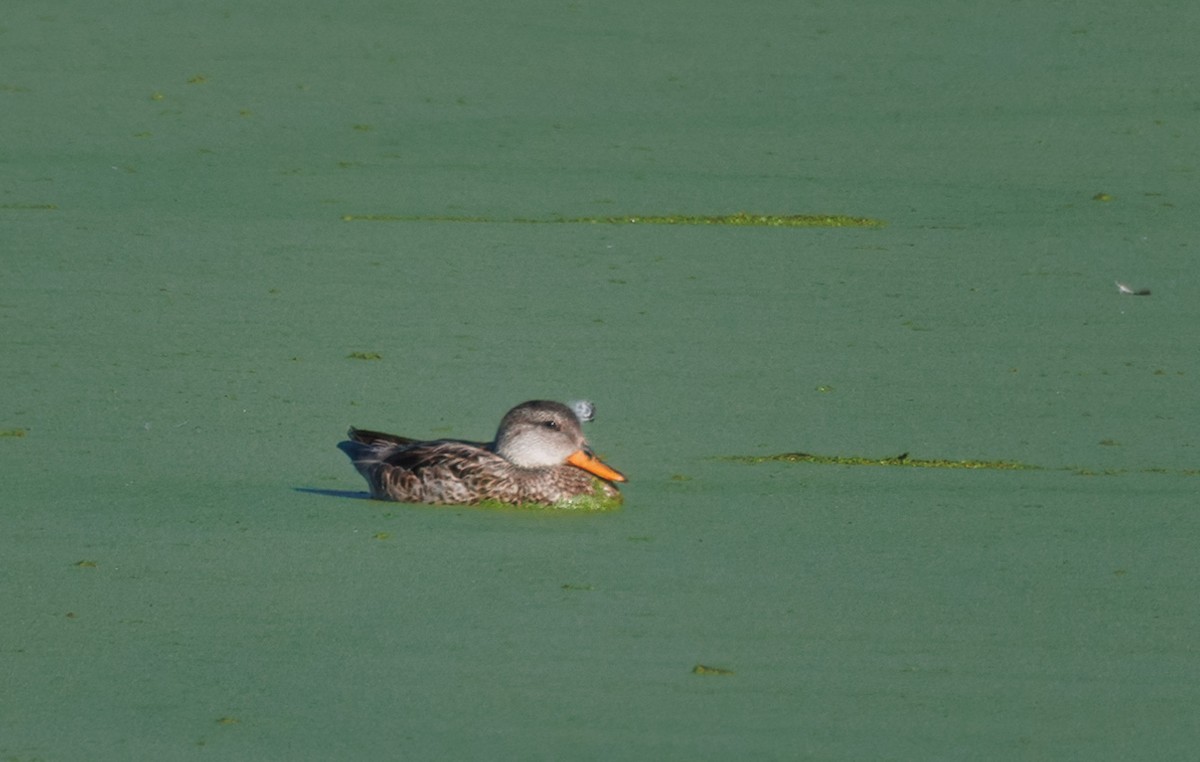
(539, 455)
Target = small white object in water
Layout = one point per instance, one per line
(584, 410)
(1124, 289)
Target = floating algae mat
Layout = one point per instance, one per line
(741, 219)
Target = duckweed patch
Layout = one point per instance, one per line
(741, 219)
(704, 669)
(904, 460)
(13, 432)
(895, 460)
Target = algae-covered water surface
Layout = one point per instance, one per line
(909, 475)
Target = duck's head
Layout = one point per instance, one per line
(539, 434)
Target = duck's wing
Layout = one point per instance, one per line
(460, 458)
(365, 446)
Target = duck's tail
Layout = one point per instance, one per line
(367, 437)
(366, 448)
(358, 452)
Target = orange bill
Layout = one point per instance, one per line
(590, 463)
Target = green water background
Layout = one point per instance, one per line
(187, 573)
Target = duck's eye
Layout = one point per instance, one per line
(550, 424)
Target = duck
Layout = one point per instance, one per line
(539, 456)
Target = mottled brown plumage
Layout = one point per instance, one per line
(539, 456)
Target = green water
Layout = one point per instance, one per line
(191, 323)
